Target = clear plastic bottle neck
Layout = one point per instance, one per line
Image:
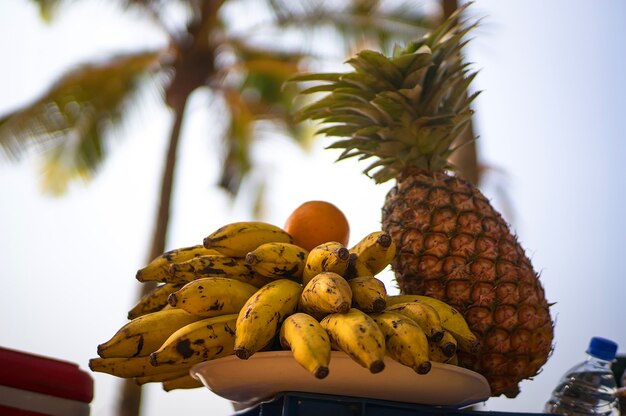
(598, 361)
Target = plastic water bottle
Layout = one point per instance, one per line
(621, 394)
(588, 388)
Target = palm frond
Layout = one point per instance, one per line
(47, 8)
(260, 95)
(70, 121)
(371, 21)
(238, 138)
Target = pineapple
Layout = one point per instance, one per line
(405, 112)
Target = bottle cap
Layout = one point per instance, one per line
(602, 348)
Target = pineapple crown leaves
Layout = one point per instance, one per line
(404, 110)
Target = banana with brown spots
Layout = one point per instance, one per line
(327, 257)
(445, 350)
(356, 268)
(368, 294)
(308, 341)
(358, 335)
(376, 250)
(326, 293)
(405, 341)
(214, 266)
(424, 315)
(212, 296)
(184, 382)
(278, 260)
(132, 367)
(199, 341)
(260, 318)
(157, 269)
(451, 319)
(153, 301)
(239, 238)
(161, 377)
(145, 334)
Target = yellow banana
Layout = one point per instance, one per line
(376, 250)
(210, 266)
(145, 334)
(448, 344)
(451, 320)
(356, 334)
(131, 367)
(239, 238)
(161, 377)
(278, 260)
(157, 269)
(260, 318)
(308, 341)
(436, 354)
(405, 341)
(153, 301)
(424, 315)
(212, 296)
(327, 257)
(326, 293)
(356, 268)
(184, 382)
(368, 294)
(199, 341)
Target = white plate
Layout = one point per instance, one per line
(266, 374)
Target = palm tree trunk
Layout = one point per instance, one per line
(193, 67)
(130, 401)
(465, 159)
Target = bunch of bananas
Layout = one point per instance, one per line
(248, 288)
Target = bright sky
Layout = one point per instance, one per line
(550, 120)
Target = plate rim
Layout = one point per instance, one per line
(196, 370)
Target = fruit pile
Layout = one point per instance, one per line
(250, 288)
(406, 114)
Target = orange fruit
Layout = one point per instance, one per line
(317, 222)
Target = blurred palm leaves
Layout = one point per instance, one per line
(244, 64)
(69, 121)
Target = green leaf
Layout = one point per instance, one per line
(414, 61)
(366, 82)
(351, 93)
(458, 94)
(447, 26)
(349, 153)
(409, 105)
(390, 108)
(339, 130)
(379, 163)
(351, 119)
(413, 95)
(376, 64)
(331, 77)
(401, 102)
(318, 88)
(76, 114)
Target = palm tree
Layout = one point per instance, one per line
(245, 69)
(466, 157)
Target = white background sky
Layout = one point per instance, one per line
(551, 117)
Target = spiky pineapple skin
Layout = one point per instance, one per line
(453, 245)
